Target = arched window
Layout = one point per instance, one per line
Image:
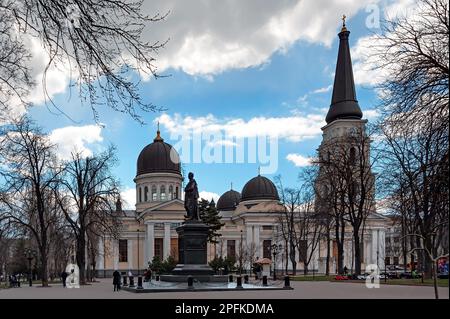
(163, 192)
(352, 156)
(140, 194)
(154, 194)
(176, 192)
(145, 194)
(170, 192)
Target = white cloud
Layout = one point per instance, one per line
(209, 37)
(293, 128)
(128, 197)
(80, 138)
(323, 90)
(299, 160)
(56, 79)
(209, 195)
(371, 114)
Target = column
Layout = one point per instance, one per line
(249, 237)
(374, 247)
(130, 253)
(257, 243)
(150, 241)
(166, 243)
(115, 254)
(381, 248)
(101, 255)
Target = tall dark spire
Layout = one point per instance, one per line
(343, 103)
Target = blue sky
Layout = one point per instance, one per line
(284, 85)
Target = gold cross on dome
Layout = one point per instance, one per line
(343, 23)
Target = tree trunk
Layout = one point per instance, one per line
(340, 232)
(81, 257)
(44, 267)
(292, 257)
(404, 243)
(327, 266)
(434, 267)
(427, 261)
(357, 252)
(286, 265)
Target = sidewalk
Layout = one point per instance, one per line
(302, 290)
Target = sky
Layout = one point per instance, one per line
(239, 68)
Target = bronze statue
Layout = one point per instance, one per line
(191, 198)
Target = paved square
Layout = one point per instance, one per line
(302, 290)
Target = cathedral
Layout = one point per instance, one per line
(251, 216)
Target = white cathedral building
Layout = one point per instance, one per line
(251, 217)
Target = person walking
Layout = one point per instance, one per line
(63, 278)
(116, 280)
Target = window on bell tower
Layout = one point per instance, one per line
(154, 194)
(170, 192)
(163, 192)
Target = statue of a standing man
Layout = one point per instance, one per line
(191, 198)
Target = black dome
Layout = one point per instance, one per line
(259, 187)
(158, 157)
(229, 200)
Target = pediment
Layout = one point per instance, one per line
(173, 206)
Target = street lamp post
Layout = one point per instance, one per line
(275, 249)
(29, 254)
(241, 252)
(138, 259)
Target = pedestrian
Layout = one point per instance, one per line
(116, 280)
(345, 270)
(63, 278)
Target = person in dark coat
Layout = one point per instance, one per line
(64, 277)
(116, 280)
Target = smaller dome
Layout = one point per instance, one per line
(229, 200)
(259, 187)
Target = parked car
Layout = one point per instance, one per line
(443, 275)
(410, 275)
(362, 276)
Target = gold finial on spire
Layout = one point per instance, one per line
(343, 23)
(259, 170)
(158, 135)
(231, 185)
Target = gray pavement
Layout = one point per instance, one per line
(302, 290)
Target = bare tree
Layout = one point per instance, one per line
(329, 205)
(14, 70)
(87, 197)
(30, 173)
(291, 200)
(415, 123)
(420, 155)
(412, 51)
(98, 41)
(348, 187)
(309, 226)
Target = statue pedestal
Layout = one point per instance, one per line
(192, 249)
(192, 254)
